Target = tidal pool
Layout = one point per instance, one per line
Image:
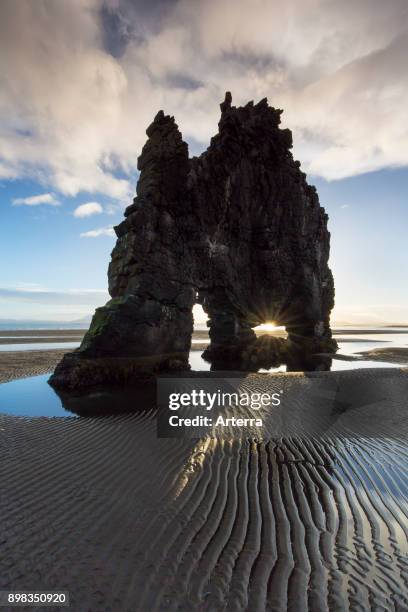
(31, 397)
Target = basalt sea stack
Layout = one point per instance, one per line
(237, 229)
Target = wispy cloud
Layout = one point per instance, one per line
(40, 303)
(48, 296)
(102, 231)
(88, 209)
(345, 206)
(44, 198)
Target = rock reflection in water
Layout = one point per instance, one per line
(105, 401)
(264, 353)
(267, 352)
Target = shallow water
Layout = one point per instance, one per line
(351, 344)
(198, 363)
(32, 397)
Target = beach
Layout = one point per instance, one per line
(311, 515)
(31, 361)
(203, 319)
(21, 364)
(22, 351)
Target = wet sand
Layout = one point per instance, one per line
(46, 340)
(391, 354)
(388, 354)
(20, 364)
(59, 334)
(312, 515)
(44, 336)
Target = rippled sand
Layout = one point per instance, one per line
(21, 364)
(310, 516)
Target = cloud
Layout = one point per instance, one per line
(35, 302)
(88, 209)
(46, 296)
(82, 80)
(45, 198)
(102, 231)
(345, 206)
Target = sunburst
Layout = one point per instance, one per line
(269, 326)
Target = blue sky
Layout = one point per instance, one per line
(46, 254)
(82, 80)
(367, 219)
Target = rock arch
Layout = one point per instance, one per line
(239, 225)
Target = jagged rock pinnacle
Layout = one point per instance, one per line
(238, 226)
(227, 102)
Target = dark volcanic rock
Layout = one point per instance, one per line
(237, 229)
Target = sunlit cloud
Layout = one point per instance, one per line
(88, 209)
(45, 198)
(102, 231)
(82, 80)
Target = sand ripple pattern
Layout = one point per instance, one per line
(129, 522)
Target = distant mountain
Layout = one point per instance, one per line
(15, 324)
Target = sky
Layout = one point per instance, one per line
(80, 80)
